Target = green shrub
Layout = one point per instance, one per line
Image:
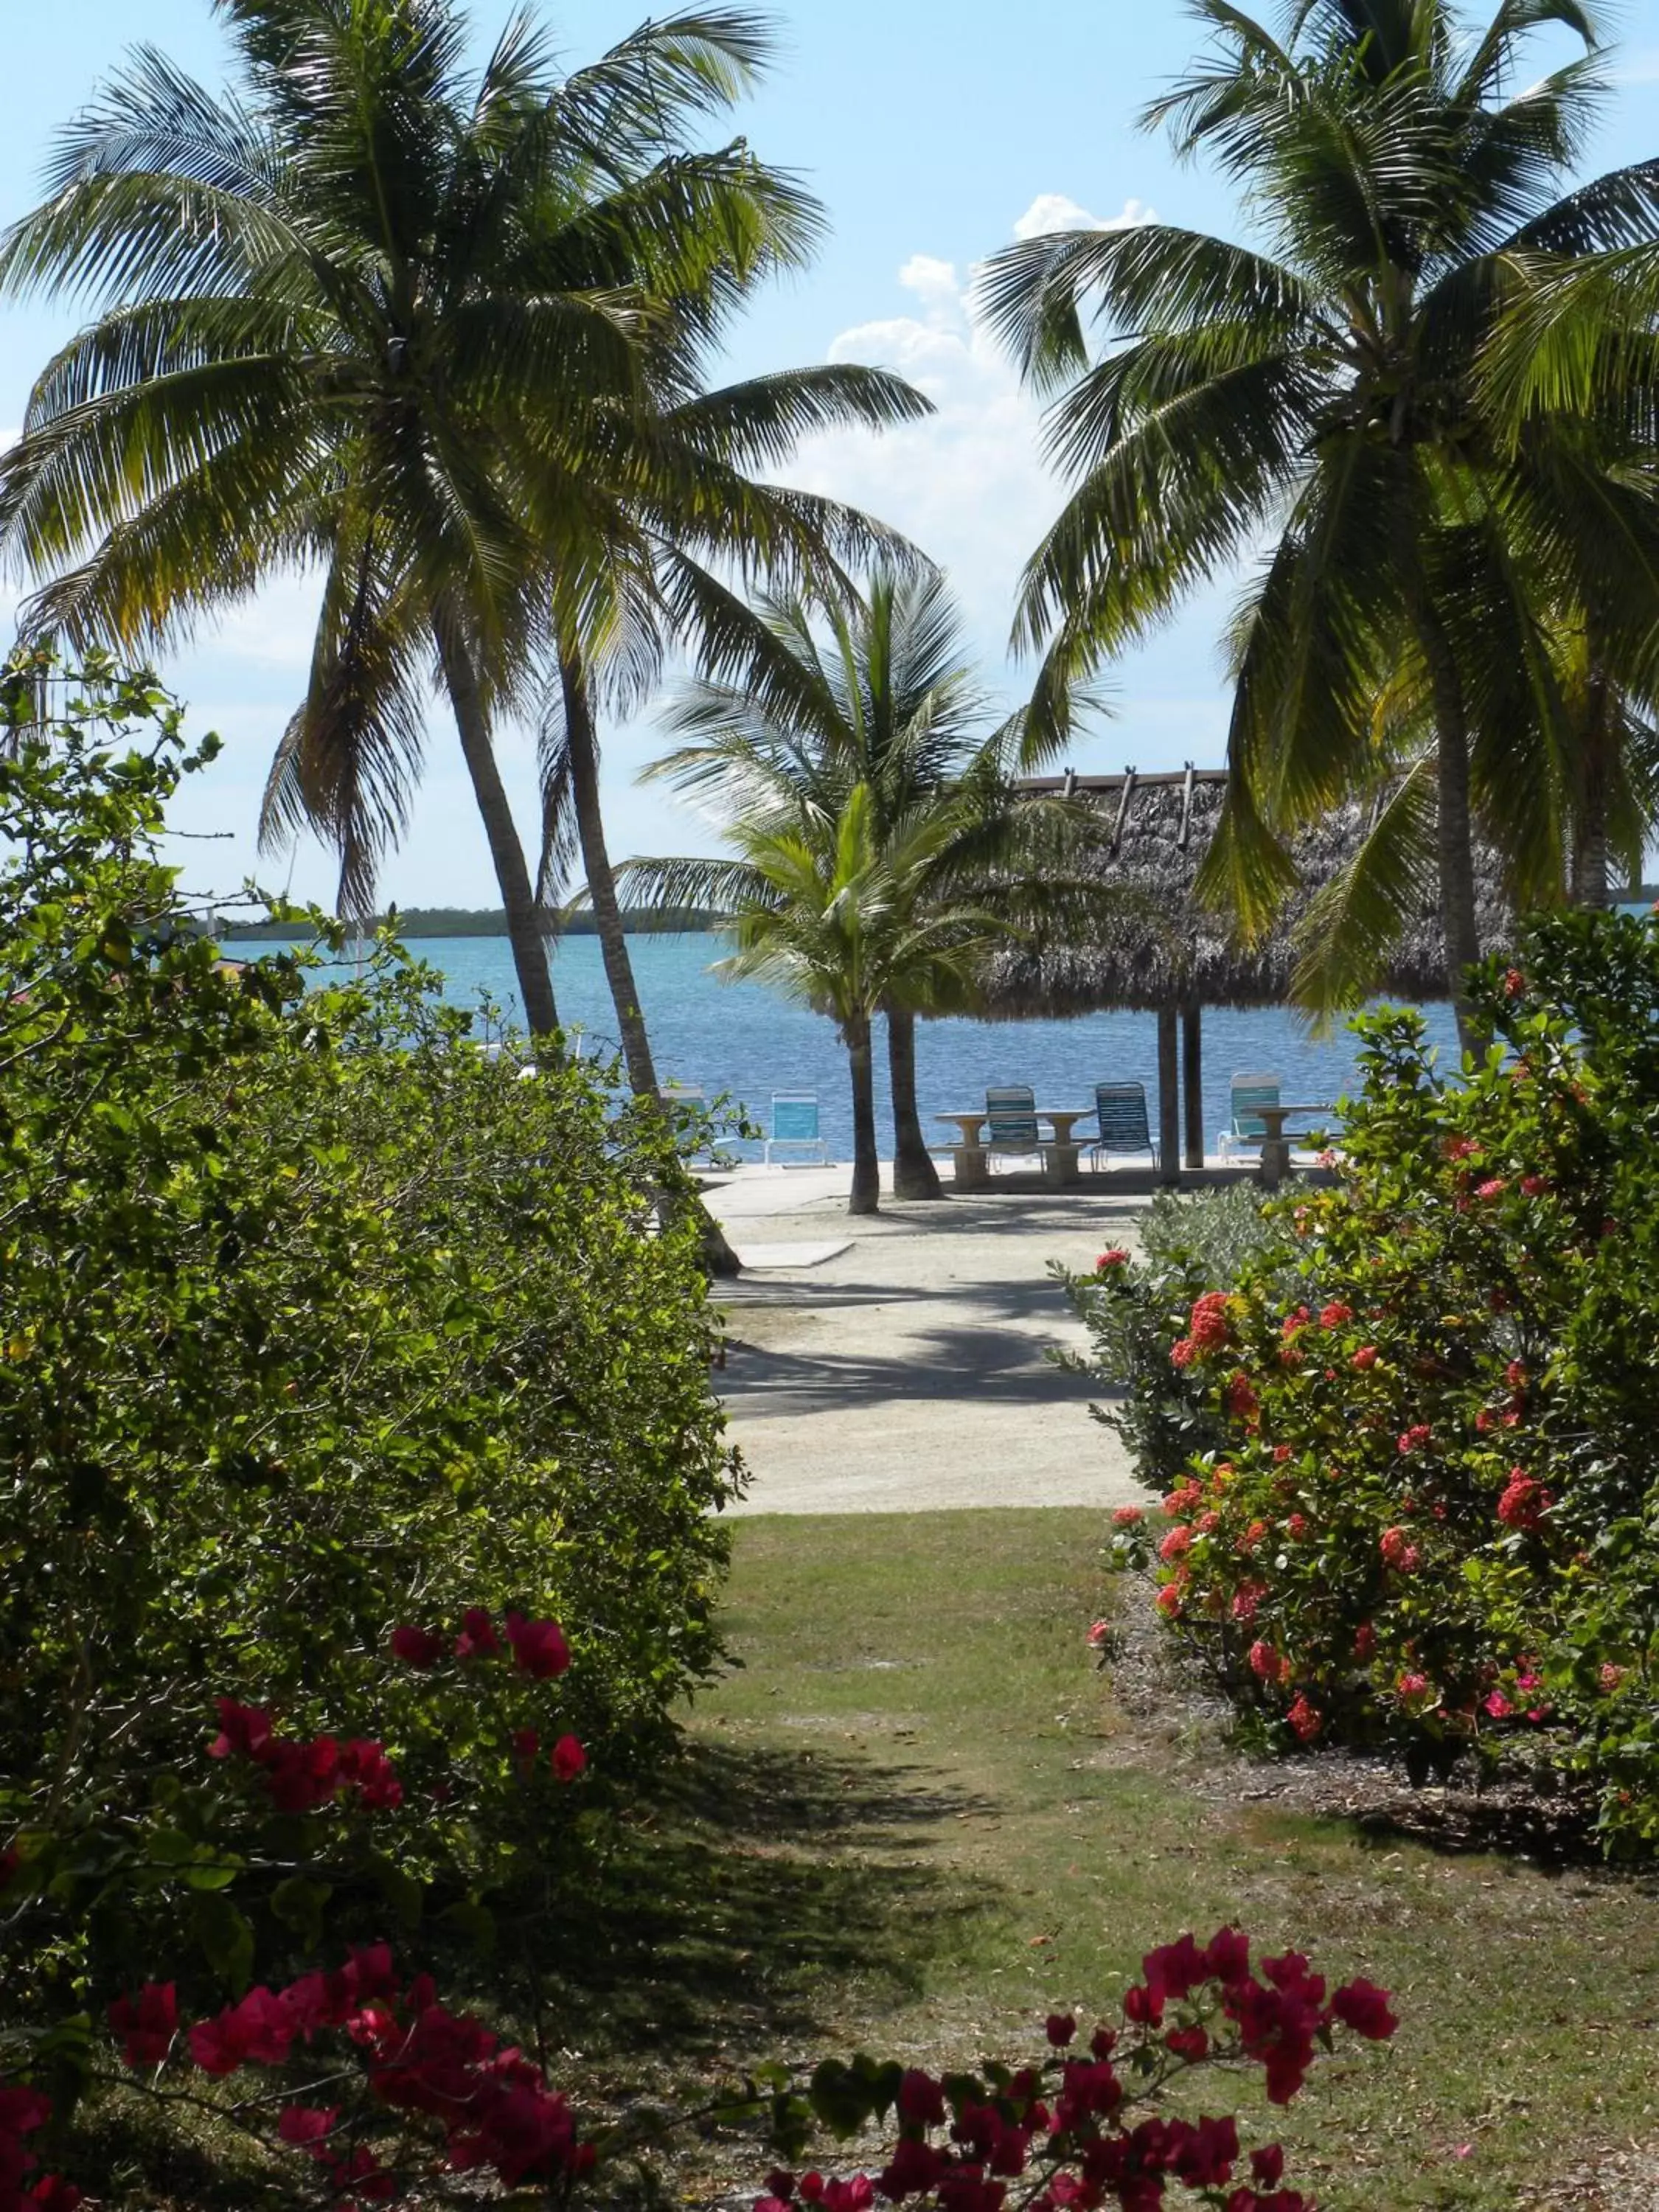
(1431, 1520)
(313, 1322)
(1189, 1244)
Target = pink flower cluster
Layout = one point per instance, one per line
(23, 2111)
(1067, 2127)
(302, 1776)
(538, 1647)
(489, 2100)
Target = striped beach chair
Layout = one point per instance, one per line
(795, 1126)
(1120, 1117)
(1248, 1094)
(1010, 1109)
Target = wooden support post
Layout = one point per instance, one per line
(1192, 1079)
(1169, 1098)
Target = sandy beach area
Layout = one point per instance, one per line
(897, 1363)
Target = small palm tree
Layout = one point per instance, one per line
(1327, 392)
(427, 330)
(828, 908)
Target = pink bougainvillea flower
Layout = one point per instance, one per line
(304, 1776)
(568, 1759)
(1497, 1704)
(1060, 2027)
(419, 1647)
(146, 2024)
(1362, 2007)
(365, 1768)
(259, 2029)
(538, 1647)
(478, 1639)
(305, 2126)
(245, 1728)
(51, 2193)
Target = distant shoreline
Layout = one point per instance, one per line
(414, 922)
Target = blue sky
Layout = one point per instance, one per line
(932, 133)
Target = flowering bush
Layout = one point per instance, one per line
(1428, 1518)
(416, 2091)
(1163, 1413)
(316, 1331)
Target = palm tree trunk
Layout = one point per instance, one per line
(718, 1257)
(601, 882)
(914, 1174)
(1456, 837)
(1590, 842)
(524, 922)
(866, 1167)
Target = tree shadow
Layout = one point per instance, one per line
(733, 1900)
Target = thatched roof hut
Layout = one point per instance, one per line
(1170, 954)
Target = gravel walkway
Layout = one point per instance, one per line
(907, 1373)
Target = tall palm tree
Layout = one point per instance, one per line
(835, 910)
(372, 313)
(881, 695)
(1325, 390)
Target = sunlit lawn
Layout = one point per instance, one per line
(914, 1821)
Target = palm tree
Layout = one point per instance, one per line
(372, 314)
(828, 907)
(1326, 391)
(880, 694)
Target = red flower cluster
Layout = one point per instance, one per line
(23, 2111)
(146, 2024)
(1209, 1326)
(490, 2102)
(1524, 1501)
(538, 1647)
(1399, 1552)
(1333, 1315)
(1364, 1359)
(1117, 1257)
(1416, 1437)
(1239, 1397)
(303, 1777)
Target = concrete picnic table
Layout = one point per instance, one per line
(1275, 1145)
(1059, 1152)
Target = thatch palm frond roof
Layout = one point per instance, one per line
(1166, 948)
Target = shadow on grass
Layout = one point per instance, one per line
(733, 1904)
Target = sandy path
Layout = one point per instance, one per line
(907, 1373)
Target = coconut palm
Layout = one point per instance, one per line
(374, 314)
(843, 912)
(1324, 391)
(881, 695)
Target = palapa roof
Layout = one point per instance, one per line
(1169, 947)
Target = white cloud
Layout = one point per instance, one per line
(1640, 67)
(1055, 211)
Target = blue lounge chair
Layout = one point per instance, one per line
(1010, 1109)
(1120, 1114)
(795, 1124)
(1249, 1093)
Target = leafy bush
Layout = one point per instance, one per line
(1432, 1519)
(1189, 1244)
(314, 1324)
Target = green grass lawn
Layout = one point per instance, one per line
(915, 1820)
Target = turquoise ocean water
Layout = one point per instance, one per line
(741, 1039)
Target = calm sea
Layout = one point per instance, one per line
(738, 1038)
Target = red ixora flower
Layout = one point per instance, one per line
(538, 1646)
(1525, 1501)
(1182, 1351)
(1304, 1720)
(146, 2024)
(1415, 1437)
(1364, 1642)
(1117, 1257)
(1167, 1601)
(1128, 1517)
(1399, 1552)
(1266, 1664)
(1334, 1315)
(1514, 982)
(1239, 1397)
(569, 1760)
(1099, 1631)
(1494, 1187)
(1533, 1186)
(1412, 1688)
(1364, 1359)
(1209, 1324)
(1178, 1540)
(1460, 1148)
